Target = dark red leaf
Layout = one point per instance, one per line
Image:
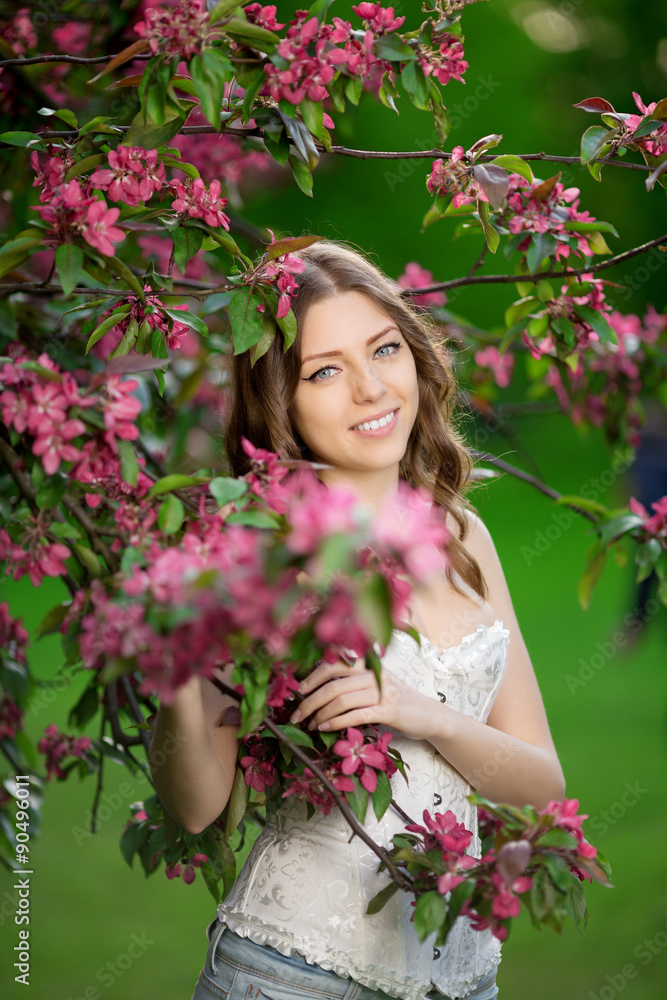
(595, 104)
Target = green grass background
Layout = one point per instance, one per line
(86, 904)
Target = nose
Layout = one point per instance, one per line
(368, 387)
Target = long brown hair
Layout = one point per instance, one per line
(436, 457)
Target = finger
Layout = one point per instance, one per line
(326, 693)
(326, 671)
(348, 702)
(364, 716)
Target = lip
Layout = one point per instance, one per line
(379, 431)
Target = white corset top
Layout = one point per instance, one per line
(305, 885)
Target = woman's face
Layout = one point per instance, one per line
(356, 368)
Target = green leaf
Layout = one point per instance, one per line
(170, 515)
(254, 519)
(118, 313)
(18, 138)
(122, 270)
(175, 481)
(237, 804)
(148, 134)
(439, 111)
(416, 84)
(430, 913)
(127, 341)
(222, 9)
(224, 489)
(210, 71)
(589, 227)
(290, 245)
(296, 735)
(51, 491)
(187, 244)
(252, 35)
(358, 800)
(575, 902)
(382, 795)
(251, 91)
(541, 246)
(383, 897)
(132, 838)
(129, 466)
(53, 619)
(491, 234)
(593, 140)
(188, 319)
(287, 324)
(598, 321)
(590, 576)
(268, 336)
(88, 559)
(557, 838)
(515, 165)
(302, 140)
(245, 320)
(392, 48)
(313, 116)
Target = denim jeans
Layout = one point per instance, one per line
(238, 969)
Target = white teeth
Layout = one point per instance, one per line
(373, 425)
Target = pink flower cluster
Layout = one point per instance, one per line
(442, 832)
(19, 33)
(266, 477)
(11, 717)
(37, 556)
(133, 176)
(280, 271)
(380, 19)
(500, 365)
(365, 758)
(654, 144)
(42, 407)
(446, 62)
(264, 16)
(56, 746)
(176, 31)
(535, 211)
(258, 764)
(415, 276)
(152, 313)
(13, 636)
(455, 176)
(654, 524)
(194, 200)
(315, 52)
(70, 213)
(186, 871)
(607, 387)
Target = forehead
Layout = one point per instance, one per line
(341, 322)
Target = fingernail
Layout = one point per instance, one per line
(296, 717)
(325, 725)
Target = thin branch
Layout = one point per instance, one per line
(396, 874)
(484, 456)
(93, 532)
(369, 154)
(82, 60)
(136, 712)
(100, 780)
(505, 279)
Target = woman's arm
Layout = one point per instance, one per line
(192, 756)
(511, 758)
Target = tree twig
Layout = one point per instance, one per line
(399, 877)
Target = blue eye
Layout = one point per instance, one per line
(329, 368)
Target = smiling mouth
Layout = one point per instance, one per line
(374, 425)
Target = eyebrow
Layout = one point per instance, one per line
(337, 354)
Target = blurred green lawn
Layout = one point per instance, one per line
(87, 907)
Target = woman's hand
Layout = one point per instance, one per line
(338, 695)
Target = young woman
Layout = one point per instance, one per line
(366, 390)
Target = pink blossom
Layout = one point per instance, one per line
(415, 276)
(53, 444)
(11, 717)
(176, 31)
(360, 757)
(501, 365)
(19, 32)
(317, 512)
(98, 229)
(56, 746)
(264, 16)
(258, 763)
(410, 526)
(380, 19)
(194, 200)
(134, 176)
(282, 685)
(73, 37)
(443, 831)
(655, 524)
